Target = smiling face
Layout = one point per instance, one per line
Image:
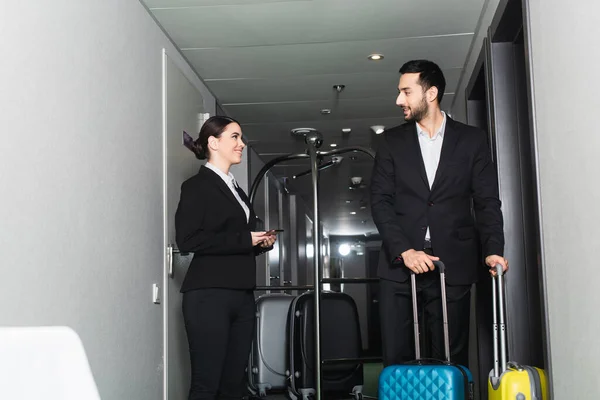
(413, 100)
(229, 146)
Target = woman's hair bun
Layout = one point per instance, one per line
(213, 126)
(199, 150)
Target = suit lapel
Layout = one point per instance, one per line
(416, 156)
(227, 192)
(223, 188)
(450, 140)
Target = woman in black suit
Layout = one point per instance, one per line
(215, 221)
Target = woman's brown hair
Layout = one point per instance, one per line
(214, 126)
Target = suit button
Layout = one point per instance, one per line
(430, 204)
(423, 228)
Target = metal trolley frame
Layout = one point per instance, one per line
(314, 140)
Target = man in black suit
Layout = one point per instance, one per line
(434, 196)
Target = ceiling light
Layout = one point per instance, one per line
(356, 180)
(346, 130)
(378, 129)
(333, 145)
(376, 57)
(353, 212)
(325, 111)
(348, 201)
(344, 249)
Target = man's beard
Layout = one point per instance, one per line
(419, 113)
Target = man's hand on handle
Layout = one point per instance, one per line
(418, 261)
(492, 261)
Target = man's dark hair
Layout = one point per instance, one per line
(430, 75)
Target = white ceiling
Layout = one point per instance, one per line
(272, 65)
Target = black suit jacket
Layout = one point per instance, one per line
(210, 223)
(403, 205)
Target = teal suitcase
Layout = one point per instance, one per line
(426, 379)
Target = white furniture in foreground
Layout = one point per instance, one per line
(44, 363)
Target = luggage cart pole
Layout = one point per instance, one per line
(314, 141)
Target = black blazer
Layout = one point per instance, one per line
(210, 223)
(403, 205)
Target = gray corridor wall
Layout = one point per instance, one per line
(564, 56)
(81, 206)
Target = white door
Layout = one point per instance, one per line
(183, 104)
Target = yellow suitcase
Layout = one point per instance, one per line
(509, 380)
(518, 383)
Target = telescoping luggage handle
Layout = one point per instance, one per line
(499, 322)
(413, 281)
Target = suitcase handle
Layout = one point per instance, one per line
(413, 282)
(500, 360)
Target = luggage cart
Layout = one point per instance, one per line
(314, 140)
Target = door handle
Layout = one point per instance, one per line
(170, 260)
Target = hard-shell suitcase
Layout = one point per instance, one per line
(340, 338)
(509, 380)
(267, 364)
(425, 379)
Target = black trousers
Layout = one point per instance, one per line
(397, 327)
(219, 325)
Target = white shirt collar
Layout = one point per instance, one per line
(228, 179)
(439, 133)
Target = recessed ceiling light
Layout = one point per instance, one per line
(333, 145)
(376, 57)
(378, 129)
(348, 201)
(353, 212)
(344, 249)
(325, 111)
(346, 130)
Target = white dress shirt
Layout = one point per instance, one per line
(231, 184)
(431, 149)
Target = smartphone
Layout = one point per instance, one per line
(274, 231)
